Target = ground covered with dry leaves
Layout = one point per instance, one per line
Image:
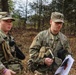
(24, 38)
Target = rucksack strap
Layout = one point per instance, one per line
(6, 50)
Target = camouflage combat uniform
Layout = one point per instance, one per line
(54, 43)
(7, 60)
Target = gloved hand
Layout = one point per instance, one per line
(62, 53)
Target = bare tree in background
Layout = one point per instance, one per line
(5, 6)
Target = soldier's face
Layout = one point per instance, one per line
(6, 25)
(55, 26)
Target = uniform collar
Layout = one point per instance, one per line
(52, 36)
(3, 34)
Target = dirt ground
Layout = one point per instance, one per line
(24, 38)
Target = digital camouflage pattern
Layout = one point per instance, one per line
(40, 47)
(8, 57)
(57, 17)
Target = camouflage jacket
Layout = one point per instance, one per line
(9, 50)
(48, 40)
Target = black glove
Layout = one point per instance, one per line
(62, 53)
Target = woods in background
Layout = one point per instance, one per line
(40, 11)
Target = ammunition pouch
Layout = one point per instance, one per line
(14, 64)
(15, 67)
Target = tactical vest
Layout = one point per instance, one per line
(8, 60)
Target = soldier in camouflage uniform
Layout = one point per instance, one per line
(9, 63)
(49, 48)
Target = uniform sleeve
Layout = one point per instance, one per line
(67, 46)
(35, 49)
(65, 42)
(66, 50)
(1, 67)
(1, 64)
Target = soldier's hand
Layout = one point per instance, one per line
(9, 72)
(48, 61)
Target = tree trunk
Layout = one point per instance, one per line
(5, 6)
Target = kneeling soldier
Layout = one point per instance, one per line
(10, 61)
(49, 48)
